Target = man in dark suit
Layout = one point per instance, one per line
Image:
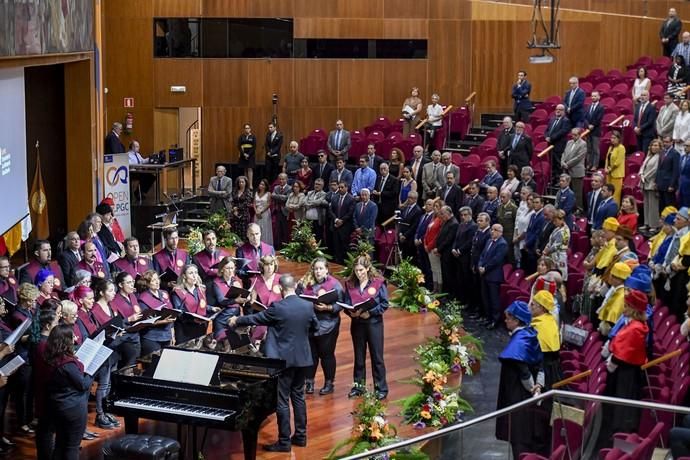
(481, 236)
(607, 208)
(473, 200)
(574, 102)
(491, 272)
(341, 173)
(104, 233)
(422, 256)
(373, 160)
(70, 257)
(547, 228)
(492, 178)
(526, 180)
(273, 145)
(339, 142)
(556, 134)
(503, 143)
(668, 33)
(644, 121)
(565, 199)
(520, 147)
(462, 249)
(410, 213)
(522, 106)
(341, 210)
(289, 322)
(594, 113)
(416, 165)
(452, 194)
(113, 144)
(594, 197)
(444, 246)
(322, 169)
(385, 193)
(364, 217)
(534, 228)
(491, 203)
(668, 174)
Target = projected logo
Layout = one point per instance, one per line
(114, 175)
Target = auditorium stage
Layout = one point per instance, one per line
(329, 419)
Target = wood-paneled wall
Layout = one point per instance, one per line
(472, 45)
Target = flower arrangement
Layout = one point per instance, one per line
(372, 430)
(218, 222)
(303, 246)
(358, 247)
(411, 294)
(452, 352)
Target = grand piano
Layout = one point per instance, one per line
(241, 394)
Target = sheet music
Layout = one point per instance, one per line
(14, 337)
(92, 355)
(186, 367)
(11, 367)
(100, 338)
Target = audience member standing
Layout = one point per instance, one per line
(279, 198)
(681, 126)
(434, 115)
(668, 33)
(410, 111)
(520, 148)
(113, 144)
(556, 134)
(292, 162)
(522, 106)
(432, 231)
(667, 174)
(246, 145)
(444, 246)
(574, 102)
(573, 163)
(220, 191)
(410, 213)
(506, 215)
(641, 83)
(273, 146)
(490, 268)
(462, 251)
(386, 194)
(593, 116)
(432, 176)
(323, 169)
(683, 48)
(262, 211)
(339, 142)
(341, 211)
(648, 184)
(503, 142)
(644, 121)
(684, 178)
(666, 119)
(615, 165)
(364, 177)
(677, 77)
(242, 199)
(341, 174)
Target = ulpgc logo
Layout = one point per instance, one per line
(114, 175)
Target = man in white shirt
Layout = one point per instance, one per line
(144, 180)
(434, 115)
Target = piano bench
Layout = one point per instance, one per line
(142, 447)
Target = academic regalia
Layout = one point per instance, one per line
(28, 273)
(323, 341)
(8, 289)
(135, 267)
(550, 345)
(368, 333)
(20, 383)
(217, 291)
(252, 254)
(204, 260)
(612, 307)
(96, 269)
(186, 327)
(628, 352)
(520, 360)
(42, 298)
(128, 344)
(84, 326)
(173, 260)
(125, 306)
(266, 295)
(156, 301)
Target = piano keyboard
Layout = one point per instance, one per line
(166, 407)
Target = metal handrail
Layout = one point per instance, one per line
(513, 408)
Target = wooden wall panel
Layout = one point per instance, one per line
(178, 72)
(450, 9)
(359, 9)
(338, 28)
(266, 77)
(128, 9)
(176, 8)
(165, 128)
(450, 60)
(406, 8)
(399, 82)
(360, 83)
(321, 78)
(315, 9)
(80, 140)
(225, 82)
(224, 8)
(270, 8)
(405, 28)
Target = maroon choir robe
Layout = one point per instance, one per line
(134, 267)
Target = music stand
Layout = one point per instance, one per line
(169, 220)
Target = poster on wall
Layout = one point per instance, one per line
(116, 186)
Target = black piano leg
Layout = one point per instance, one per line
(131, 424)
(250, 438)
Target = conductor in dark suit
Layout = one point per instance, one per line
(491, 273)
(341, 211)
(556, 134)
(644, 121)
(668, 33)
(385, 193)
(289, 323)
(520, 147)
(113, 144)
(273, 145)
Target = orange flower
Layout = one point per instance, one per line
(375, 432)
(425, 414)
(429, 376)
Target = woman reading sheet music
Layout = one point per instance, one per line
(189, 296)
(125, 304)
(322, 342)
(21, 381)
(120, 342)
(217, 296)
(62, 376)
(266, 289)
(366, 327)
(152, 297)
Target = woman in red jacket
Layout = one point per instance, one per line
(628, 215)
(430, 236)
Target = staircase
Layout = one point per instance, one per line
(195, 212)
(488, 122)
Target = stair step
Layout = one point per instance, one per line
(477, 137)
(188, 220)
